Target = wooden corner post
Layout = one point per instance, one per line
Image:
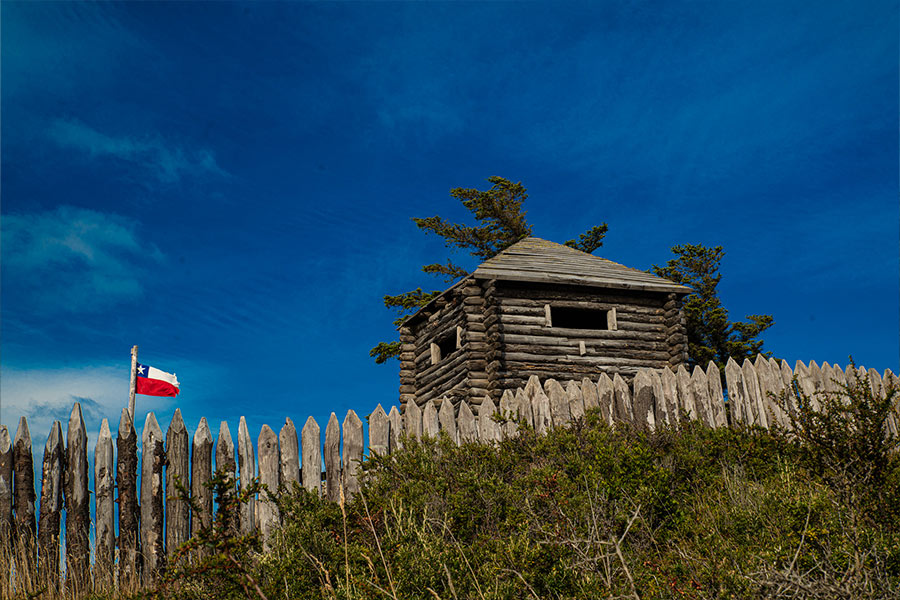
(134, 351)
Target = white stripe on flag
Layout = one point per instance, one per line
(154, 373)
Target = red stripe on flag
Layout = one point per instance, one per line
(154, 387)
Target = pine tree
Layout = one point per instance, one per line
(711, 336)
(501, 223)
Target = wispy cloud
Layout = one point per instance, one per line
(74, 259)
(166, 162)
(43, 396)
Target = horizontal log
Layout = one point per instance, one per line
(511, 358)
(439, 377)
(575, 294)
(625, 351)
(509, 304)
(581, 334)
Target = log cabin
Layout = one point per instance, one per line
(545, 309)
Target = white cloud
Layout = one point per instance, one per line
(74, 259)
(43, 396)
(165, 162)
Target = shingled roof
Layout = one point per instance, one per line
(537, 260)
(541, 261)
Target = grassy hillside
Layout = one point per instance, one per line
(593, 512)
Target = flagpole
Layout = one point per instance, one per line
(134, 350)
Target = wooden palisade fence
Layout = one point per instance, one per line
(154, 521)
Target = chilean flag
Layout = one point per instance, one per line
(153, 382)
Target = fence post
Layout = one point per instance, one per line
(661, 416)
(575, 399)
(752, 393)
(447, 419)
(700, 390)
(51, 505)
(465, 422)
(247, 468)
(353, 453)
(396, 428)
(413, 419)
(23, 488)
(226, 465)
(269, 467)
(559, 404)
(589, 395)
(201, 473)
(126, 483)
(430, 425)
(6, 506)
(104, 509)
(624, 411)
(540, 404)
(716, 396)
(78, 509)
(290, 456)
(312, 456)
(644, 403)
(686, 402)
(178, 511)
(379, 432)
(488, 428)
(523, 408)
(332, 459)
(509, 413)
(153, 460)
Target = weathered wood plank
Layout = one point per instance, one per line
(353, 454)
(753, 394)
(152, 494)
(644, 402)
(686, 402)
(201, 474)
(622, 398)
(104, 509)
(767, 390)
(702, 401)
(178, 464)
(606, 397)
(23, 487)
(226, 466)
(662, 415)
(737, 403)
(6, 505)
(467, 427)
(78, 509)
(413, 420)
(716, 396)
(333, 459)
(129, 540)
(575, 400)
(559, 403)
(523, 408)
(447, 420)
(540, 405)
(270, 479)
(508, 413)
(310, 440)
(589, 394)
(396, 421)
(670, 393)
(430, 425)
(247, 470)
(51, 505)
(379, 432)
(488, 428)
(289, 467)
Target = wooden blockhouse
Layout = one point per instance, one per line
(540, 308)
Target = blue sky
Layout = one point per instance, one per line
(230, 186)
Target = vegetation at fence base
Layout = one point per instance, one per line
(593, 512)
